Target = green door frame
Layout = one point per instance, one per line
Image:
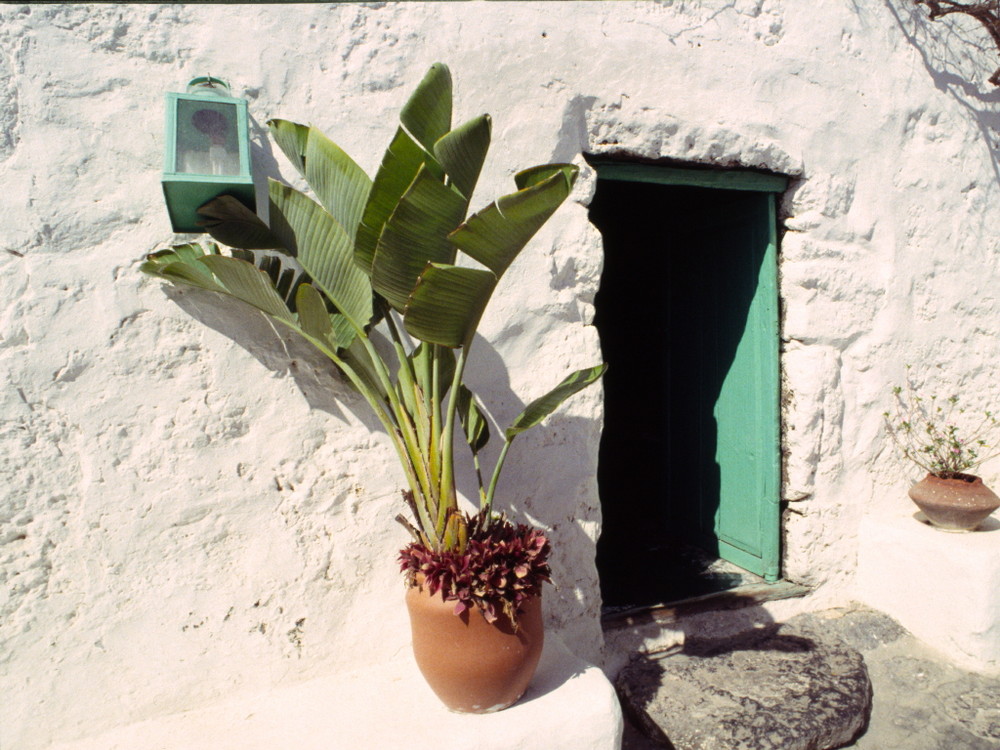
(768, 564)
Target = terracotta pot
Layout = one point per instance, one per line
(474, 666)
(958, 504)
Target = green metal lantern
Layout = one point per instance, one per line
(207, 151)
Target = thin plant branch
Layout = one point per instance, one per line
(987, 13)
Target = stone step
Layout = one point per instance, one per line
(793, 686)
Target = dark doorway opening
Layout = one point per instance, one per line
(677, 313)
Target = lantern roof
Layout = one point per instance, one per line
(208, 85)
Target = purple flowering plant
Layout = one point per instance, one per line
(500, 566)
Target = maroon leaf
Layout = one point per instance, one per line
(503, 564)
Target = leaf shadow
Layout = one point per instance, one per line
(281, 352)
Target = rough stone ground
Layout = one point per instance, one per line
(920, 701)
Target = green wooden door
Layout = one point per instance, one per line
(739, 505)
(720, 476)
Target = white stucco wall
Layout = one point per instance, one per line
(186, 516)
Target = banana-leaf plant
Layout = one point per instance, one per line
(399, 253)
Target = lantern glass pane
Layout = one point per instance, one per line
(207, 138)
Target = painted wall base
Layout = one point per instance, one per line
(570, 705)
(943, 587)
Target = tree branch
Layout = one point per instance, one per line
(987, 13)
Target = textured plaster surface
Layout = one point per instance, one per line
(193, 507)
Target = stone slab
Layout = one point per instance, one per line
(924, 703)
(943, 587)
(921, 701)
(570, 705)
(793, 687)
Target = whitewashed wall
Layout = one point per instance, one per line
(185, 515)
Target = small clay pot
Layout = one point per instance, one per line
(960, 503)
(472, 665)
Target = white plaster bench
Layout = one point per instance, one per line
(942, 587)
(570, 705)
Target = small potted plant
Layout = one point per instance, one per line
(379, 258)
(927, 432)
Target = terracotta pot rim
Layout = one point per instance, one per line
(955, 476)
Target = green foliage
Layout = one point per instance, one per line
(926, 431)
(379, 253)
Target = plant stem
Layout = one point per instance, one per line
(487, 507)
(424, 489)
(447, 486)
(386, 418)
(479, 479)
(434, 397)
(408, 384)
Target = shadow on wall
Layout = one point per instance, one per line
(573, 135)
(546, 480)
(315, 376)
(265, 165)
(281, 353)
(942, 49)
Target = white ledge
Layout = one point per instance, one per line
(943, 587)
(569, 705)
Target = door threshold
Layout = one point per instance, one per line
(613, 618)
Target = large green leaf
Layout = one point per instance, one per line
(248, 283)
(495, 235)
(422, 358)
(323, 249)
(400, 165)
(318, 322)
(359, 360)
(187, 251)
(343, 333)
(233, 224)
(340, 185)
(463, 151)
(425, 118)
(541, 407)
(416, 234)
(427, 113)
(291, 138)
(191, 264)
(179, 265)
(541, 172)
(447, 303)
(193, 274)
(474, 423)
